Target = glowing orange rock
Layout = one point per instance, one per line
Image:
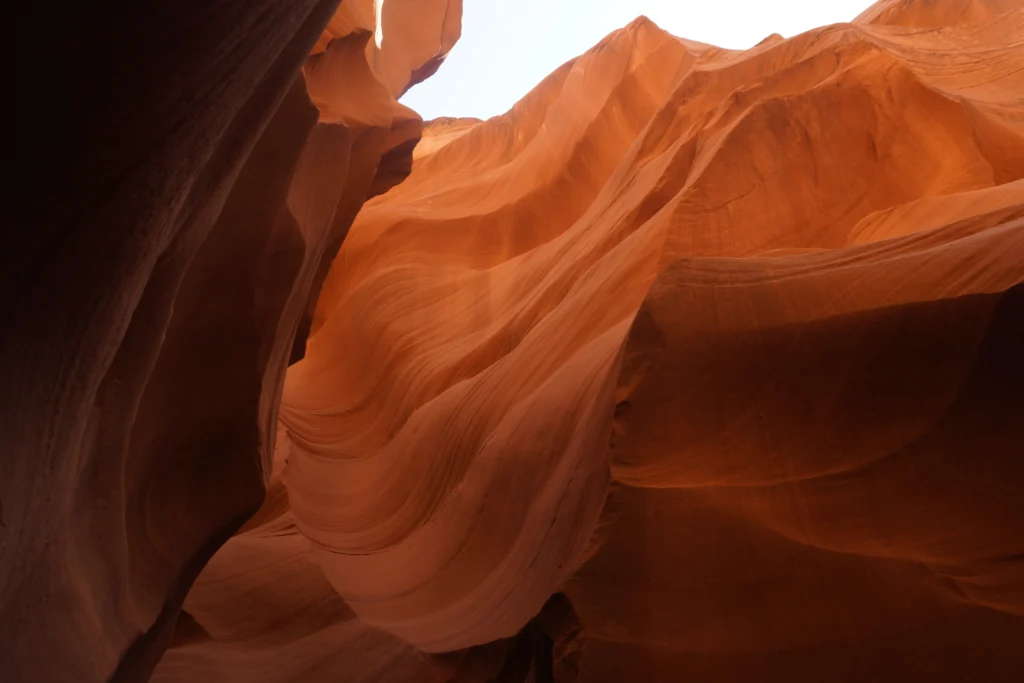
(697, 364)
(719, 343)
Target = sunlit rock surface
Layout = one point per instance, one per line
(724, 345)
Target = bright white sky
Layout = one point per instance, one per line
(508, 46)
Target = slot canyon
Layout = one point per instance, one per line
(698, 364)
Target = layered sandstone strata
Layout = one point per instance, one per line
(697, 364)
(725, 345)
(181, 196)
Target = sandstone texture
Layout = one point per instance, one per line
(186, 172)
(727, 346)
(696, 365)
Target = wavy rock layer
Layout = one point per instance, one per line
(182, 199)
(725, 345)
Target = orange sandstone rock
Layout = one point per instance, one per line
(697, 364)
(180, 204)
(725, 345)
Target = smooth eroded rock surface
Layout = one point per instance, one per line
(726, 345)
(180, 198)
(697, 364)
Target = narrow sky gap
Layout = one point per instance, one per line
(507, 46)
(378, 35)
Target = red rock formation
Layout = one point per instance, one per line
(696, 365)
(180, 204)
(783, 284)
